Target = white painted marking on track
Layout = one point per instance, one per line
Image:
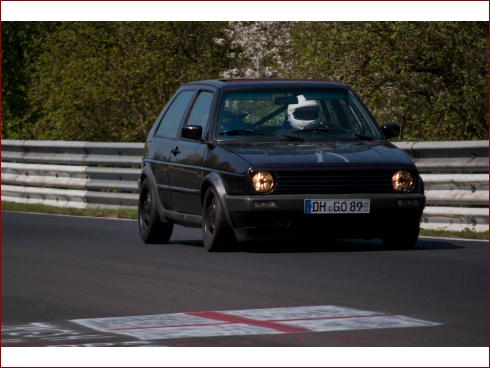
(250, 322)
(196, 331)
(360, 323)
(298, 312)
(167, 320)
(45, 333)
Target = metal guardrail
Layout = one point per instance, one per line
(455, 175)
(75, 174)
(89, 174)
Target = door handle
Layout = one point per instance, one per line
(175, 151)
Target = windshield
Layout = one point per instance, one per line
(287, 114)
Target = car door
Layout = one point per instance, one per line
(185, 168)
(163, 141)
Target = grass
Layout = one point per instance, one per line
(465, 233)
(120, 213)
(132, 214)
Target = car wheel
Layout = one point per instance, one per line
(216, 234)
(152, 229)
(405, 240)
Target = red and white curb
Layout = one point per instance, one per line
(250, 322)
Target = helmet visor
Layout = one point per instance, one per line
(306, 113)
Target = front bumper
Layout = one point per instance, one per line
(289, 222)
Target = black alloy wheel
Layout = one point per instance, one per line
(152, 230)
(145, 214)
(216, 234)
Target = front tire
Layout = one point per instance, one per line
(405, 240)
(152, 230)
(216, 234)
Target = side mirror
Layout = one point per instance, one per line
(192, 132)
(391, 130)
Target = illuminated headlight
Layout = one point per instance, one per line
(402, 181)
(263, 182)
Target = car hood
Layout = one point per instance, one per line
(338, 153)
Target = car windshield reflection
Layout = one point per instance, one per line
(293, 114)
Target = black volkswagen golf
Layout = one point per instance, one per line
(276, 160)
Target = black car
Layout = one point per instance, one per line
(276, 160)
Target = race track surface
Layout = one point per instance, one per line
(74, 281)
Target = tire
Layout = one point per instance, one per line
(405, 240)
(216, 234)
(152, 229)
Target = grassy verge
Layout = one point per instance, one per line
(121, 213)
(133, 215)
(466, 233)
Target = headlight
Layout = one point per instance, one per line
(402, 181)
(263, 182)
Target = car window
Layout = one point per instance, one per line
(171, 121)
(312, 114)
(200, 111)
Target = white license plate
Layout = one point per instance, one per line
(316, 206)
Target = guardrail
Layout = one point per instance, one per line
(88, 174)
(75, 174)
(455, 175)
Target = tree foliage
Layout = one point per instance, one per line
(429, 77)
(21, 46)
(256, 49)
(107, 81)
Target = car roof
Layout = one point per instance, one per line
(223, 84)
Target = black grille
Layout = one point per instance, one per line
(334, 181)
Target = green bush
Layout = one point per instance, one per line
(107, 81)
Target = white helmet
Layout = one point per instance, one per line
(305, 114)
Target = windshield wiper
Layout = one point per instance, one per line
(363, 137)
(241, 131)
(294, 138)
(323, 130)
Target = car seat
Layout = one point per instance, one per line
(230, 121)
(286, 125)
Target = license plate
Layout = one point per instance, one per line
(316, 206)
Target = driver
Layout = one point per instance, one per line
(305, 114)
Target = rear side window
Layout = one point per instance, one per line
(200, 111)
(171, 121)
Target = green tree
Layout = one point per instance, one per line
(429, 77)
(108, 81)
(21, 45)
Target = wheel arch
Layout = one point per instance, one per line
(146, 173)
(215, 181)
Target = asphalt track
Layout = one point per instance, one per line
(66, 279)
